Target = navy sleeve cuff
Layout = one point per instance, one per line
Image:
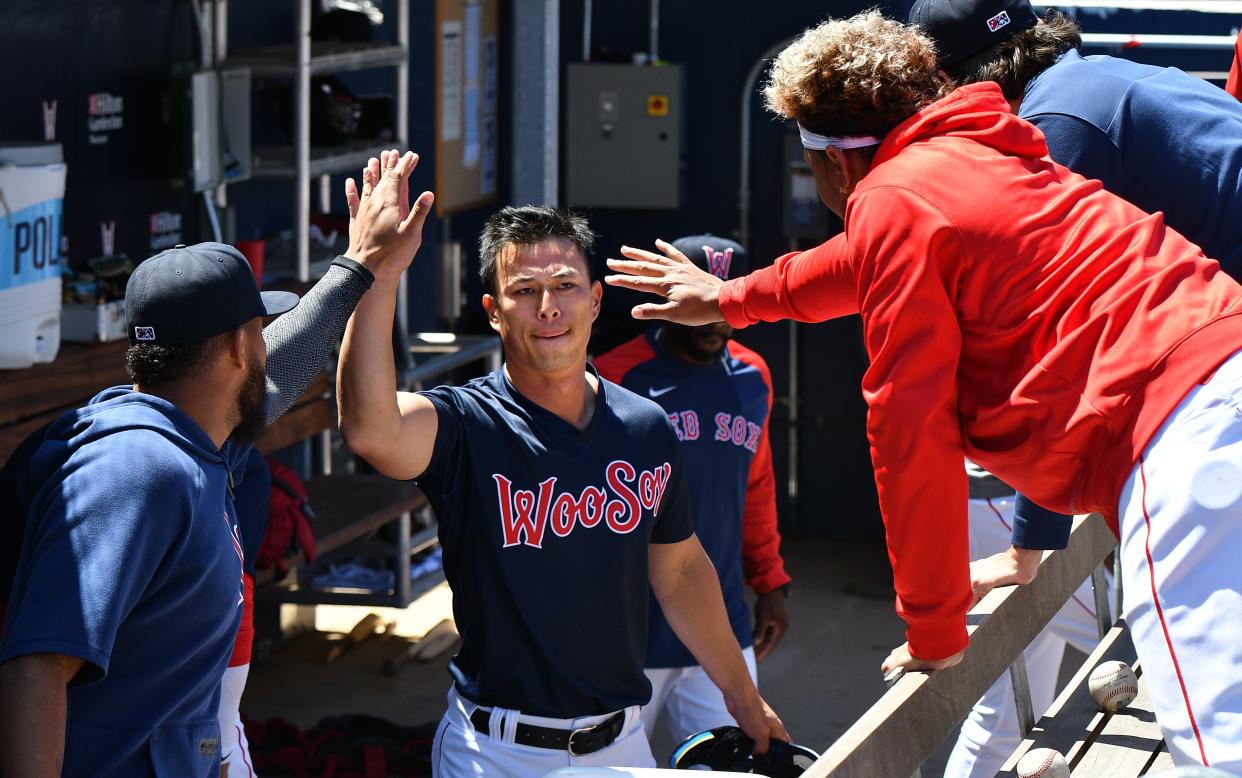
(1039, 528)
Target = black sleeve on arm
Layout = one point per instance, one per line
(299, 342)
(1039, 528)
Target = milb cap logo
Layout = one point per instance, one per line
(998, 21)
(144, 333)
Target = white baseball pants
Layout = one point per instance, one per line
(690, 700)
(1181, 563)
(460, 750)
(234, 749)
(990, 732)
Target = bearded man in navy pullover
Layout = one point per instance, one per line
(127, 593)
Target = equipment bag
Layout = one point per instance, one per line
(289, 523)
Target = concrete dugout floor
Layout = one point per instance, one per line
(823, 676)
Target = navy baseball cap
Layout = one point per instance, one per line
(188, 294)
(963, 28)
(721, 257)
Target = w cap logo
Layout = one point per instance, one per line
(718, 262)
(144, 333)
(998, 21)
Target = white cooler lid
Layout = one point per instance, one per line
(31, 154)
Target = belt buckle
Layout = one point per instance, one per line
(575, 733)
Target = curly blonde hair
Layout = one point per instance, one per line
(858, 76)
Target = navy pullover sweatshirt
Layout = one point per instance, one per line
(1162, 139)
(138, 573)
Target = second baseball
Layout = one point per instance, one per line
(1043, 763)
(1113, 686)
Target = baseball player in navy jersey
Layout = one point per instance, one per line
(561, 499)
(718, 395)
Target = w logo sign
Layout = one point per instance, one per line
(718, 262)
(144, 333)
(107, 238)
(49, 120)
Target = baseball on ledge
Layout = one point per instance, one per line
(1043, 763)
(1113, 686)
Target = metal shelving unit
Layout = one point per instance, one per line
(445, 352)
(298, 62)
(277, 60)
(405, 590)
(282, 162)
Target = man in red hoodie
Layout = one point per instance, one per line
(1016, 314)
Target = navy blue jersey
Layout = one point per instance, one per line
(545, 531)
(720, 412)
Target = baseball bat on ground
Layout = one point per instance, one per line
(438, 639)
(365, 628)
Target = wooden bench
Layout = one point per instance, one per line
(35, 396)
(921, 710)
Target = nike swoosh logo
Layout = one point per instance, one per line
(653, 392)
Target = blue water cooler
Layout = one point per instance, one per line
(32, 195)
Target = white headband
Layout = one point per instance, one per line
(816, 142)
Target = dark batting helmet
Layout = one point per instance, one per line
(729, 749)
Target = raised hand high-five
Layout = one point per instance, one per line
(691, 295)
(384, 231)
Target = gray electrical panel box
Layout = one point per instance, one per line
(623, 126)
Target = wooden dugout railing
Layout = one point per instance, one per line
(907, 724)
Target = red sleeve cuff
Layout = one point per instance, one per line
(937, 641)
(731, 306)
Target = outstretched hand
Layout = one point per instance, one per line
(690, 294)
(384, 231)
